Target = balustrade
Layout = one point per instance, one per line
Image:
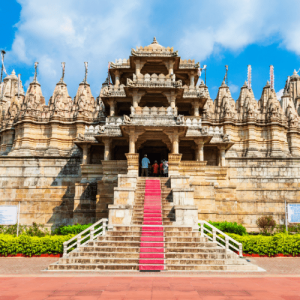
(154, 80)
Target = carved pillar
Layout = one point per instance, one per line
(196, 108)
(85, 152)
(222, 161)
(171, 98)
(117, 78)
(132, 140)
(136, 97)
(199, 152)
(112, 104)
(170, 66)
(138, 66)
(107, 146)
(192, 80)
(175, 143)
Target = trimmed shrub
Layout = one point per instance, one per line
(31, 230)
(269, 245)
(32, 245)
(266, 224)
(71, 229)
(230, 227)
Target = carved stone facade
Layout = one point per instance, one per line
(67, 161)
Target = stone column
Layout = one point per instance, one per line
(175, 144)
(222, 161)
(192, 80)
(107, 145)
(132, 142)
(138, 66)
(117, 78)
(136, 97)
(85, 150)
(200, 152)
(112, 104)
(196, 108)
(173, 99)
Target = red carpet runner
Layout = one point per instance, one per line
(152, 239)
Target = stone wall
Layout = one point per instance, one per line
(45, 188)
(245, 190)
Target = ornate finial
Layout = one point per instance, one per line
(35, 71)
(154, 41)
(13, 72)
(225, 80)
(19, 84)
(86, 71)
(63, 64)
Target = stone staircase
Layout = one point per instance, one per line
(151, 242)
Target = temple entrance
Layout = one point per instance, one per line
(155, 150)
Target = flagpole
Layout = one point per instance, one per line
(3, 53)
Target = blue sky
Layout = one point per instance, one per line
(214, 32)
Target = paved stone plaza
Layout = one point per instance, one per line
(23, 279)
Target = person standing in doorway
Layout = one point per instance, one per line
(145, 165)
(166, 168)
(161, 168)
(155, 169)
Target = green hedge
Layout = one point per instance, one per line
(269, 245)
(71, 229)
(32, 245)
(228, 227)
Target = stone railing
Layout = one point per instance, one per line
(153, 111)
(193, 92)
(120, 63)
(113, 91)
(90, 234)
(188, 64)
(154, 81)
(113, 120)
(192, 122)
(219, 237)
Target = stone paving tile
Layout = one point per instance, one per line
(212, 288)
(279, 266)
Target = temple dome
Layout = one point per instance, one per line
(155, 45)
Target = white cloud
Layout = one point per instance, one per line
(234, 24)
(279, 94)
(75, 31)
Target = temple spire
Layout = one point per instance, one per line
(154, 41)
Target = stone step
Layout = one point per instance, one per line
(195, 250)
(211, 267)
(98, 260)
(114, 243)
(93, 267)
(218, 262)
(135, 255)
(199, 255)
(119, 238)
(139, 222)
(110, 249)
